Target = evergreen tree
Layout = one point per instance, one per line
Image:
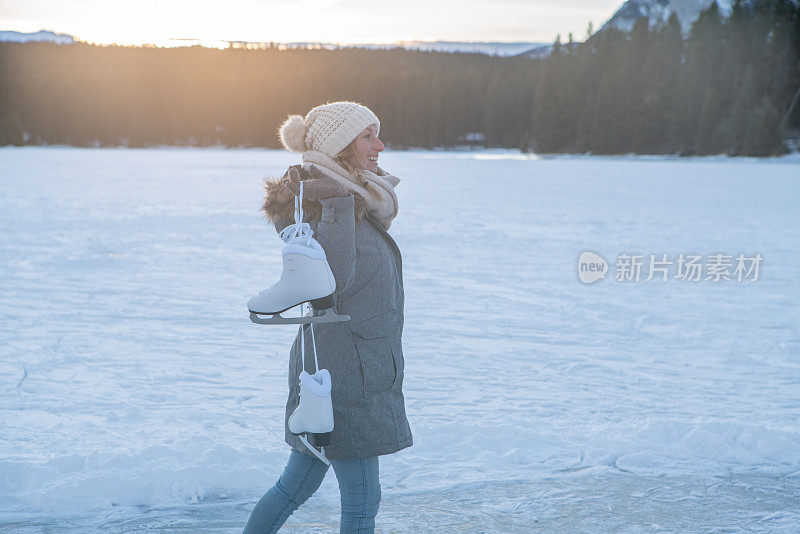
(761, 137)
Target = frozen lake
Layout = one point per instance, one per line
(137, 396)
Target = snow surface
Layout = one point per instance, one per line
(137, 395)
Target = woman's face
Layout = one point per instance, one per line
(367, 146)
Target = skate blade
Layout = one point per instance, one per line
(314, 450)
(276, 318)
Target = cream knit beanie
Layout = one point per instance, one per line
(328, 128)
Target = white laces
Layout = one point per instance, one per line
(299, 230)
(291, 234)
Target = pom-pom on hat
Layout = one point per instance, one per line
(328, 128)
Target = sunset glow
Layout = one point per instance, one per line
(213, 23)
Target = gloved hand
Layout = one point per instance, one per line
(316, 184)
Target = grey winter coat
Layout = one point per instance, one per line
(365, 354)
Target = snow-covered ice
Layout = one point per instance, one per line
(137, 396)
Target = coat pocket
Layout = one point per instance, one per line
(374, 343)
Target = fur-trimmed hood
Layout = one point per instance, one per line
(278, 203)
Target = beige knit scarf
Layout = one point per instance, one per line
(377, 189)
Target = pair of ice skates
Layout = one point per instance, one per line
(306, 278)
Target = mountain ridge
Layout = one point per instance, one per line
(41, 35)
(490, 48)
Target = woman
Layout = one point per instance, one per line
(350, 203)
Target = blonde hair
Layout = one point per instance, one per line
(345, 158)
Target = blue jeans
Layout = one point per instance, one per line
(358, 485)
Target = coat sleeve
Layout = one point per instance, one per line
(336, 232)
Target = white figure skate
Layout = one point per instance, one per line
(306, 277)
(312, 420)
(314, 415)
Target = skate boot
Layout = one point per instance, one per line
(306, 277)
(314, 415)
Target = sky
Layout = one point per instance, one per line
(162, 22)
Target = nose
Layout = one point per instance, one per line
(379, 146)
